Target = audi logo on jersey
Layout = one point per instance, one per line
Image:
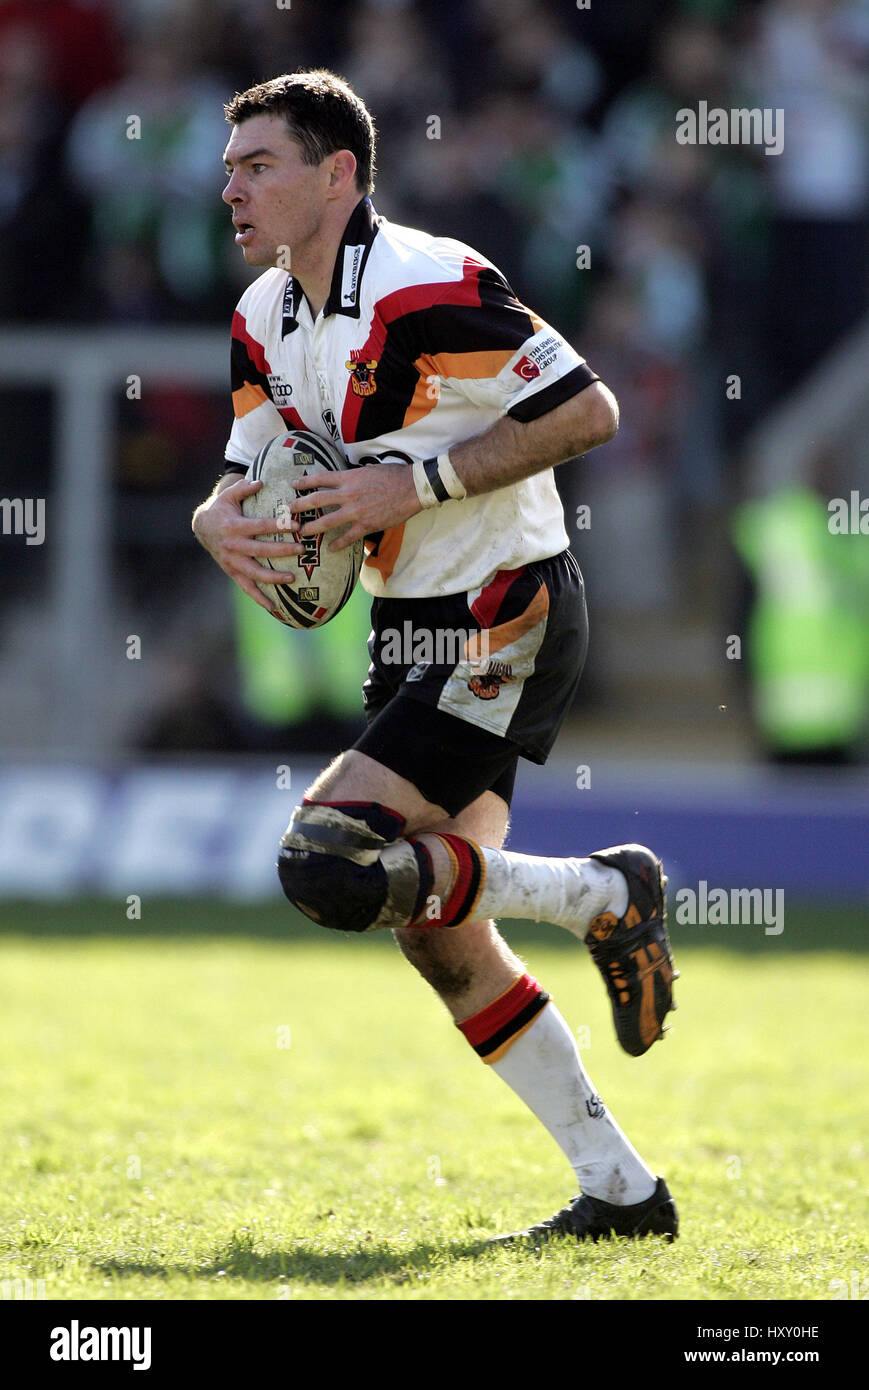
(279, 389)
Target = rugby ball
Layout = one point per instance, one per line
(324, 578)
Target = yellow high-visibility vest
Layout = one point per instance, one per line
(807, 637)
(288, 675)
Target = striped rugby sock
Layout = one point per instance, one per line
(525, 1039)
(498, 883)
(492, 1031)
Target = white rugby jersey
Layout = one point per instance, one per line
(420, 346)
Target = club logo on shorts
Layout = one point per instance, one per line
(488, 685)
(362, 374)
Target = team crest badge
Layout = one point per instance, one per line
(362, 374)
(488, 686)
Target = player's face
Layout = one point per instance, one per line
(277, 201)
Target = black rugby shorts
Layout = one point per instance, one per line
(460, 688)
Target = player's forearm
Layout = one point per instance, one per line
(510, 450)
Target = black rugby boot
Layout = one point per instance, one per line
(632, 952)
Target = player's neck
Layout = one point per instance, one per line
(315, 282)
(313, 262)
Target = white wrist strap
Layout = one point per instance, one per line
(450, 478)
(424, 489)
(436, 481)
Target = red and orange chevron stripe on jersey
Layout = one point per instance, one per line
(250, 377)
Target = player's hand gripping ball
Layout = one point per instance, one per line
(324, 578)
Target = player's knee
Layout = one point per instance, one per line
(340, 869)
(333, 892)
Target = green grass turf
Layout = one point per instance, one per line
(161, 1141)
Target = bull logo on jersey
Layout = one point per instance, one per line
(488, 685)
(362, 374)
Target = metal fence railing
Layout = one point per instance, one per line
(85, 368)
(88, 368)
(826, 412)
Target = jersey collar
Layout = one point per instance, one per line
(293, 295)
(350, 263)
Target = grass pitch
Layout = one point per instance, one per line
(190, 1113)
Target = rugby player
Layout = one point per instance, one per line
(454, 402)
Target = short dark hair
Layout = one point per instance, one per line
(322, 112)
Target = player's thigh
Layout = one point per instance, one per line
(485, 821)
(353, 776)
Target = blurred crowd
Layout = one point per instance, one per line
(671, 266)
(555, 130)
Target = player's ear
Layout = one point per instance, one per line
(342, 170)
